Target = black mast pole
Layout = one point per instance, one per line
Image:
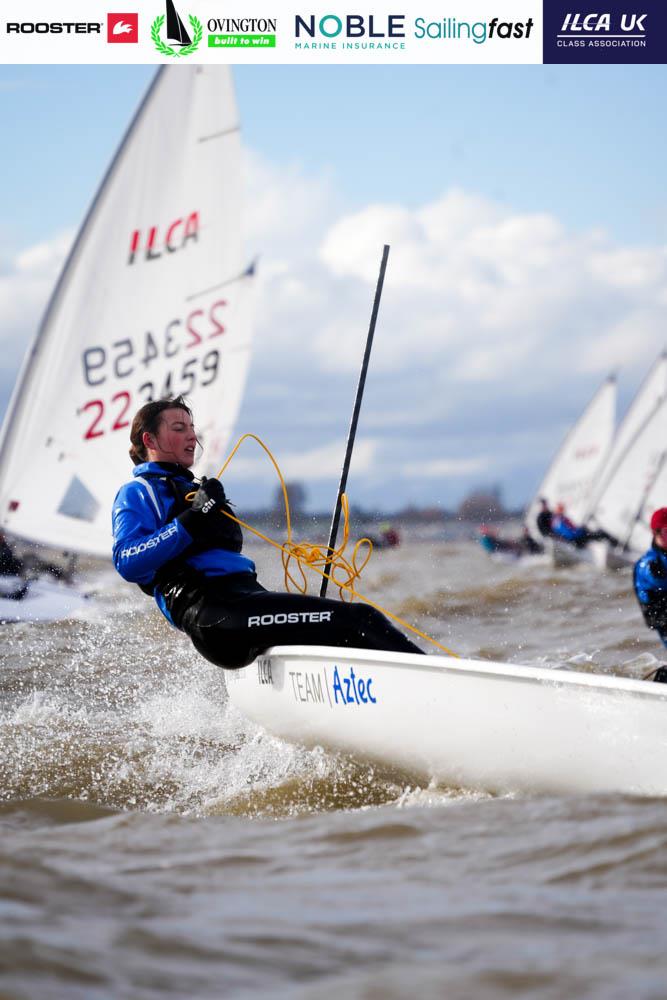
(355, 414)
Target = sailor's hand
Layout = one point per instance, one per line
(203, 519)
(209, 498)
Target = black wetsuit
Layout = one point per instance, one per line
(210, 590)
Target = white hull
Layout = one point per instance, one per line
(556, 554)
(43, 600)
(564, 554)
(605, 556)
(560, 555)
(471, 724)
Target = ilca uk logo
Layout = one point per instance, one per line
(122, 28)
(176, 32)
(618, 31)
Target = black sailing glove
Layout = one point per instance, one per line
(201, 519)
(205, 521)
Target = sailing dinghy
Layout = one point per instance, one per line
(569, 480)
(469, 724)
(573, 472)
(154, 300)
(634, 479)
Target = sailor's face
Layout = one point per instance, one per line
(175, 440)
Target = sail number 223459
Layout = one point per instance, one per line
(148, 367)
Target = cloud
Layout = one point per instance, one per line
(438, 468)
(496, 294)
(488, 315)
(495, 328)
(323, 462)
(26, 282)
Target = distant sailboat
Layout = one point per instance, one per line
(632, 483)
(175, 28)
(574, 470)
(154, 300)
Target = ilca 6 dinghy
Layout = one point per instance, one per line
(155, 299)
(464, 723)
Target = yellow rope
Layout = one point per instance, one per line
(318, 559)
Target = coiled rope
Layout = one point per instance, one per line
(329, 563)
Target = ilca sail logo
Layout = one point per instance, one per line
(176, 32)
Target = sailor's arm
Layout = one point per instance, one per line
(650, 576)
(142, 543)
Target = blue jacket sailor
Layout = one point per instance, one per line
(650, 577)
(172, 537)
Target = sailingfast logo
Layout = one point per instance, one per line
(122, 28)
(176, 33)
(451, 29)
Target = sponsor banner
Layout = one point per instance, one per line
(265, 32)
(334, 33)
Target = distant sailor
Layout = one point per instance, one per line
(578, 535)
(492, 543)
(544, 518)
(172, 538)
(650, 577)
(10, 564)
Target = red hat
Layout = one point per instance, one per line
(659, 519)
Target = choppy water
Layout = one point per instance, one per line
(155, 844)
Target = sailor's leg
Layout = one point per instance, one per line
(232, 633)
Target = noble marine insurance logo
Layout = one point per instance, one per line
(625, 32)
(349, 31)
(176, 33)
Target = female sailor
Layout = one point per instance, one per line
(172, 538)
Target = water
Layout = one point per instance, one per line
(155, 844)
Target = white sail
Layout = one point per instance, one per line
(654, 481)
(573, 471)
(620, 502)
(153, 300)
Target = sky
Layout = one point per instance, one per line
(526, 212)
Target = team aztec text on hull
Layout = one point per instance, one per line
(472, 724)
